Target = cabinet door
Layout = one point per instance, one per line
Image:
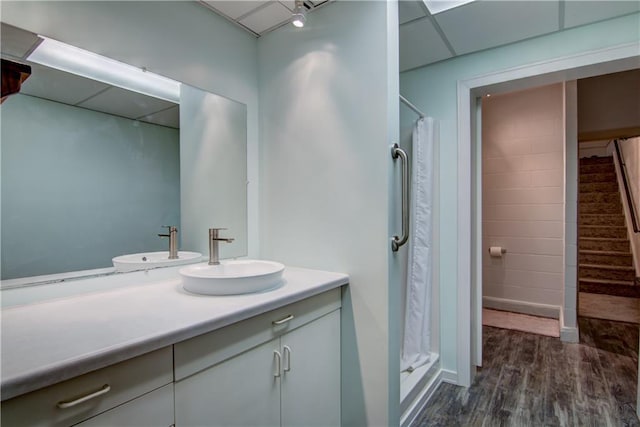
(154, 409)
(241, 391)
(311, 374)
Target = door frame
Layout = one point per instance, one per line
(591, 63)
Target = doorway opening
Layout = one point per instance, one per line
(471, 248)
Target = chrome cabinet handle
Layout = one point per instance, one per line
(396, 241)
(278, 362)
(69, 403)
(286, 352)
(284, 320)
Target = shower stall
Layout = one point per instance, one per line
(417, 250)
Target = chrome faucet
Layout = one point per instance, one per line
(173, 244)
(214, 256)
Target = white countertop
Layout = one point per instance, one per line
(52, 341)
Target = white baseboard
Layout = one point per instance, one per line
(524, 307)
(450, 377)
(412, 412)
(568, 333)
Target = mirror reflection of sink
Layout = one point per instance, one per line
(147, 260)
(232, 277)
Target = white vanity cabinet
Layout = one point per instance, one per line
(281, 368)
(137, 392)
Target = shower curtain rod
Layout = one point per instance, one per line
(410, 105)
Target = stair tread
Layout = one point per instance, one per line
(607, 267)
(603, 226)
(595, 252)
(607, 281)
(614, 239)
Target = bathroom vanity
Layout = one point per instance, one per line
(156, 355)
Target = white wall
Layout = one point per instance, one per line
(596, 148)
(434, 90)
(630, 149)
(180, 40)
(329, 99)
(523, 195)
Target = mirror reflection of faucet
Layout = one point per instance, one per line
(173, 245)
(214, 256)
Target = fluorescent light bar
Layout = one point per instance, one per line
(437, 6)
(64, 57)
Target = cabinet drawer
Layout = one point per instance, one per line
(56, 405)
(154, 409)
(199, 353)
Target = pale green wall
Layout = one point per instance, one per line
(433, 89)
(328, 97)
(80, 187)
(178, 39)
(213, 172)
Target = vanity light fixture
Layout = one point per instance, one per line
(299, 16)
(71, 59)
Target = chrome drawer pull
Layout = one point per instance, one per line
(68, 404)
(285, 320)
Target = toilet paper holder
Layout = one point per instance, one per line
(503, 250)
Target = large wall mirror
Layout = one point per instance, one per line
(90, 170)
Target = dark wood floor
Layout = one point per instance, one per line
(533, 380)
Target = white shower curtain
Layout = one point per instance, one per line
(417, 333)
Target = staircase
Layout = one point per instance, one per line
(605, 264)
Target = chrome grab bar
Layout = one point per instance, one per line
(396, 241)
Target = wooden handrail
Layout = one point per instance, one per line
(627, 190)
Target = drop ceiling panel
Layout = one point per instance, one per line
(485, 24)
(420, 44)
(290, 4)
(235, 9)
(584, 12)
(263, 19)
(169, 117)
(124, 103)
(410, 10)
(59, 86)
(16, 42)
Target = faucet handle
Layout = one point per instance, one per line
(213, 235)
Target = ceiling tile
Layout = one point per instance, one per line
(235, 9)
(267, 17)
(290, 4)
(485, 24)
(59, 86)
(16, 42)
(409, 10)
(584, 12)
(169, 117)
(420, 44)
(124, 103)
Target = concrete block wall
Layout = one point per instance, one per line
(523, 197)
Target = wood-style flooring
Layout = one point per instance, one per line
(534, 380)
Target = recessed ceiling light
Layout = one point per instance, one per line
(71, 59)
(437, 6)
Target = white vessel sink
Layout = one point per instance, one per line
(147, 260)
(232, 277)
